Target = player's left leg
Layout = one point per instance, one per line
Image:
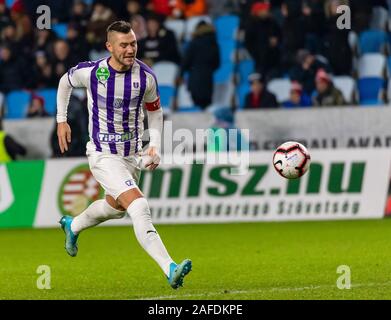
(96, 213)
(146, 234)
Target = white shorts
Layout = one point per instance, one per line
(116, 174)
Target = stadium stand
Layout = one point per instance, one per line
(372, 65)
(373, 41)
(280, 88)
(368, 83)
(49, 96)
(17, 103)
(348, 87)
(370, 91)
(184, 100)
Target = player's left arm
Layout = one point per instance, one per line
(155, 123)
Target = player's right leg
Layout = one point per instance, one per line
(146, 234)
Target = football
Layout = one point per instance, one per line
(291, 160)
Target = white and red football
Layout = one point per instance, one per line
(291, 160)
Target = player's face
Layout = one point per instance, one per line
(123, 47)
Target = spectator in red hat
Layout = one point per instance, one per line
(297, 97)
(22, 21)
(327, 94)
(37, 107)
(262, 39)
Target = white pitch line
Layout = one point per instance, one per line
(217, 293)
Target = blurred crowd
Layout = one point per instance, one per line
(284, 37)
(295, 39)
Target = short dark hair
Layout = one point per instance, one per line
(120, 26)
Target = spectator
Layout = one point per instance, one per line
(9, 148)
(62, 60)
(5, 18)
(362, 14)
(224, 135)
(262, 39)
(76, 41)
(43, 72)
(80, 15)
(305, 70)
(118, 7)
(161, 7)
(100, 19)
(59, 10)
(37, 107)
(223, 7)
(314, 24)
(336, 43)
(22, 21)
(44, 40)
(189, 8)
(12, 70)
(160, 43)
(259, 97)
(9, 36)
(201, 60)
(293, 37)
(135, 17)
(297, 97)
(327, 94)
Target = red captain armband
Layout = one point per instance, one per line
(153, 106)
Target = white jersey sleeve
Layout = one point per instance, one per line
(151, 97)
(78, 76)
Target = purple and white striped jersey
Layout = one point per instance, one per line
(115, 104)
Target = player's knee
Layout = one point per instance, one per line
(113, 213)
(125, 201)
(139, 208)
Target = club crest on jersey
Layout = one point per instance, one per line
(136, 85)
(102, 74)
(118, 103)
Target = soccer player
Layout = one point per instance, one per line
(118, 87)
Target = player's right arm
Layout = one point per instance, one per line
(72, 79)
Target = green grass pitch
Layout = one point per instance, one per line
(295, 260)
